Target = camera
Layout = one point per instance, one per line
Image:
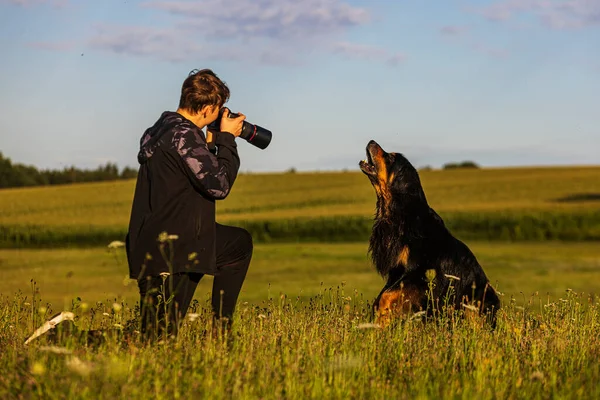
(253, 134)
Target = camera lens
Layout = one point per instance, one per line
(256, 135)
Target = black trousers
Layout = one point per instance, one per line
(233, 251)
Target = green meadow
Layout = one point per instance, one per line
(491, 204)
(303, 328)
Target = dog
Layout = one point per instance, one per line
(412, 249)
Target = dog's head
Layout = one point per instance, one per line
(391, 174)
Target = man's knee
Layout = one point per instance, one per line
(246, 242)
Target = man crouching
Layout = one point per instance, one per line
(173, 239)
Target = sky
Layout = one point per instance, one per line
(501, 83)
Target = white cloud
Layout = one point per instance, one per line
(366, 52)
(555, 14)
(453, 30)
(30, 3)
(276, 32)
(276, 19)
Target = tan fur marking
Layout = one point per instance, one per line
(396, 303)
(381, 187)
(403, 256)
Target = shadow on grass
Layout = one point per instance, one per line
(578, 197)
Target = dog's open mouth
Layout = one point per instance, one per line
(367, 165)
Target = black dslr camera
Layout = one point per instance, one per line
(253, 134)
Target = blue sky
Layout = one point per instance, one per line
(503, 83)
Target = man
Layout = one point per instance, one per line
(173, 238)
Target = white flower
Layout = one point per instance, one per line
(368, 326)
(115, 244)
(452, 277)
(469, 307)
(418, 314)
(56, 349)
(78, 366)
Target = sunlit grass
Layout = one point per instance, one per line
(97, 274)
(322, 347)
(273, 196)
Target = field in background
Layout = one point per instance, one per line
(507, 204)
(300, 271)
(334, 208)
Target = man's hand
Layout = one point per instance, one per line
(232, 125)
(209, 137)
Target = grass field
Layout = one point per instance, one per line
(506, 204)
(300, 270)
(284, 196)
(314, 349)
(298, 331)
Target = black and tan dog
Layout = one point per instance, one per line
(409, 239)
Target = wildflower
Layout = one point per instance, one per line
(42, 310)
(106, 314)
(117, 307)
(164, 275)
(418, 314)
(84, 307)
(115, 244)
(262, 316)
(162, 237)
(430, 274)
(368, 325)
(56, 349)
(193, 316)
(78, 366)
(26, 304)
(165, 237)
(469, 307)
(192, 256)
(38, 368)
(452, 277)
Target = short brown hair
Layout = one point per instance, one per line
(203, 88)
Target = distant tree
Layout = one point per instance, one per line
(19, 175)
(292, 170)
(128, 173)
(464, 164)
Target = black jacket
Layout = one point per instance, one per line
(178, 181)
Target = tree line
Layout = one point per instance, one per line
(20, 175)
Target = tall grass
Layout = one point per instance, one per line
(319, 348)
